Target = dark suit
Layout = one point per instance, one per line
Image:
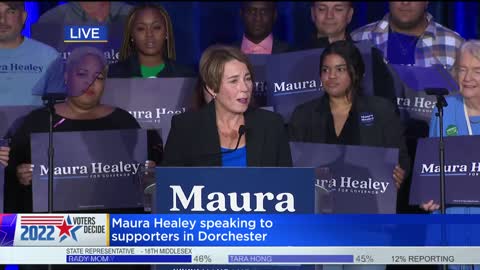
(194, 141)
(309, 123)
(130, 68)
(278, 46)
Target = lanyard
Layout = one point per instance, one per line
(467, 119)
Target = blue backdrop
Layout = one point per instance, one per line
(197, 24)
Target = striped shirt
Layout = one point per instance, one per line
(437, 44)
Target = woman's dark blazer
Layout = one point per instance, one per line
(309, 122)
(194, 141)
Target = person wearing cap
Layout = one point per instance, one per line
(79, 12)
(20, 70)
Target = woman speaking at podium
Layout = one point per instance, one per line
(227, 131)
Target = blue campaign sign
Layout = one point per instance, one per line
(103, 172)
(235, 190)
(87, 33)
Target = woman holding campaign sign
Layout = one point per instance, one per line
(228, 131)
(81, 111)
(148, 49)
(343, 115)
(461, 118)
(462, 115)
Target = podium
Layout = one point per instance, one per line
(208, 190)
(233, 190)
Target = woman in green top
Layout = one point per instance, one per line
(148, 48)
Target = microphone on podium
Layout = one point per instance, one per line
(241, 131)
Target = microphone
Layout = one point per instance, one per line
(53, 98)
(241, 130)
(439, 93)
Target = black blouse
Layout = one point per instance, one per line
(349, 135)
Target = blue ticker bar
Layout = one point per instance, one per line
(294, 230)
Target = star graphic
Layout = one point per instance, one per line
(64, 228)
(68, 229)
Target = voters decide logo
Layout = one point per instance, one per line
(96, 33)
(60, 229)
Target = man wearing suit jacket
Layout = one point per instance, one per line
(258, 20)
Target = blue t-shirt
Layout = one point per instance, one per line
(20, 70)
(237, 158)
(401, 48)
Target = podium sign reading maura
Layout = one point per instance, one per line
(346, 181)
(92, 169)
(204, 190)
(462, 171)
(152, 102)
(234, 190)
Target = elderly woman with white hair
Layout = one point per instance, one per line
(85, 75)
(461, 118)
(462, 115)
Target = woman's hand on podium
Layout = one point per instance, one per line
(25, 174)
(430, 206)
(4, 153)
(398, 176)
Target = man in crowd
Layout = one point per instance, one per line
(331, 19)
(258, 19)
(408, 34)
(87, 12)
(23, 61)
